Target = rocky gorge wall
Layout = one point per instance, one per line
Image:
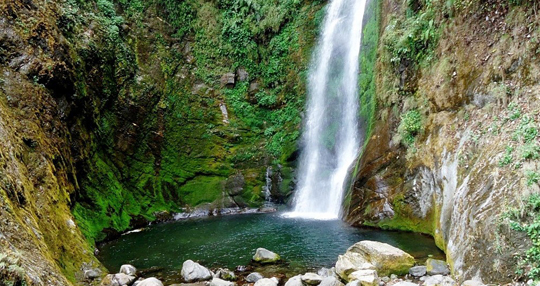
(454, 146)
(116, 113)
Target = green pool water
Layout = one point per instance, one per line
(230, 241)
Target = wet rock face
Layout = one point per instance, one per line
(451, 182)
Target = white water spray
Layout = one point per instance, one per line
(331, 137)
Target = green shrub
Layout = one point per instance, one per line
(532, 177)
(507, 157)
(410, 126)
(530, 151)
(527, 220)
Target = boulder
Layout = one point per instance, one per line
(295, 281)
(242, 74)
(152, 281)
(228, 80)
(472, 283)
(437, 267)
(331, 281)
(365, 277)
(265, 256)
(405, 283)
(254, 277)
(418, 271)
(439, 280)
(119, 279)
(266, 282)
(221, 282)
(92, 273)
(354, 283)
(128, 270)
(385, 258)
(225, 274)
(311, 278)
(325, 272)
(193, 271)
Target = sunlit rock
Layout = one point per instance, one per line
(266, 282)
(385, 258)
(128, 269)
(437, 267)
(254, 277)
(266, 256)
(311, 278)
(193, 271)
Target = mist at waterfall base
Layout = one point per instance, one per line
(229, 241)
(331, 138)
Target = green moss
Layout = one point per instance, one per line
(202, 190)
(404, 219)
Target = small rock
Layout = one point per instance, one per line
(385, 279)
(265, 256)
(128, 270)
(295, 281)
(275, 279)
(228, 80)
(242, 74)
(325, 272)
(330, 281)
(253, 87)
(472, 283)
(437, 267)
(225, 274)
(418, 271)
(405, 283)
(393, 277)
(119, 279)
(92, 273)
(354, 283)
(439, 280)
(266, 282)
(311, 278)
(241, 268)
(254, 277)
(152, 281)
(366, 277)
(221, 282)
(192, 271)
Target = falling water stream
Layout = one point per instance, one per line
(331, 137)
(331, 142)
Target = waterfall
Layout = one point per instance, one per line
(331, 138)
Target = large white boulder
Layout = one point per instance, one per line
(295, 281)
(331, 281)
(152, 281)
(221, 282)
(385, 258)
(266, 282)
(193, 271)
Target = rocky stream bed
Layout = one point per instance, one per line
(366, 263)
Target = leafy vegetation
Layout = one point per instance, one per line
(410, 126)
(172, 149)
(368, 57)
(527, 220)
(11, 272)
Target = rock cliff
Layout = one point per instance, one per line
(454, 144)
